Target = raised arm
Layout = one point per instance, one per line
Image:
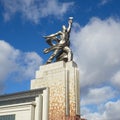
(70, 24)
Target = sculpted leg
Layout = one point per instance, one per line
(52, 56)
(69, 53)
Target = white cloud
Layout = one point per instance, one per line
(98, 96)
(7, 59)
(16, 64)
(110, 112)
(34, 10)
(96, 51)
(116, 79)
(94, 116)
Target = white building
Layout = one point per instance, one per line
(28, 105)
(54, 95)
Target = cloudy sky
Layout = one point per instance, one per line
(95, 42)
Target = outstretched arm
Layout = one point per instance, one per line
(53, 35)
(70, 24)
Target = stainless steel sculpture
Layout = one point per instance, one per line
(60, 44)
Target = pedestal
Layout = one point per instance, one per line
(62, 79)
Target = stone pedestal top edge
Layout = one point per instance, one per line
(55, 65)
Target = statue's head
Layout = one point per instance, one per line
(64, 29)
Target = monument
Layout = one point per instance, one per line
(60, 75)
(61, 49)
(54, 93)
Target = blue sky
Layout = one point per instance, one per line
(95, 39)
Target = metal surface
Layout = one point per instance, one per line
(61, 46)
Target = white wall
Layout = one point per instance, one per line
(35, 110)
(22, 111)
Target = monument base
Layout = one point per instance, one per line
(62, 79)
